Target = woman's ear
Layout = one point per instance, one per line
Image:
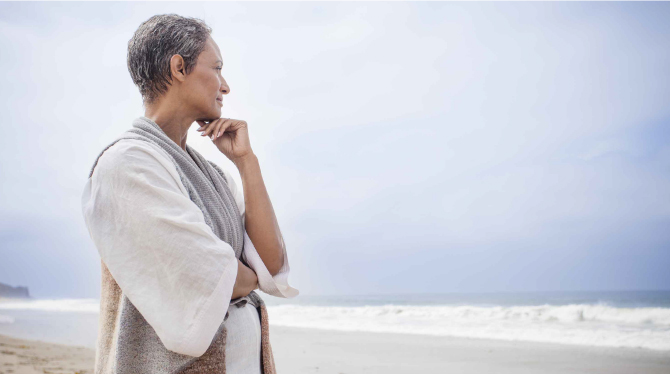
(177, 67)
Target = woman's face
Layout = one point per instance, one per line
(204, 87)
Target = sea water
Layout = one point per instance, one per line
(633, 319)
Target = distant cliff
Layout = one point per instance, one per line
(13, 292)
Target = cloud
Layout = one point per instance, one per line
(407, 147)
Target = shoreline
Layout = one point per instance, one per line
(304, 351)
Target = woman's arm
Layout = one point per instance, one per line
(231, 137)
(245, 282)
(260, 220)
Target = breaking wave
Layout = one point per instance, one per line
(581, 324)
(52, 305)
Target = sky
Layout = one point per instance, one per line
(406, 147)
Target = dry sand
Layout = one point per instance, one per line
(303, 351)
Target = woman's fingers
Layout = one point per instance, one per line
(229, 122)
(215, 128)
(209, 129)
(222, 127)
(203, 126)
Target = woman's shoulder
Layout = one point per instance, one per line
(127, 148)
(128, 156)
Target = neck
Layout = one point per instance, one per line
(170, 115)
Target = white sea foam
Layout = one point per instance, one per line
(582, 324)
(52, 305)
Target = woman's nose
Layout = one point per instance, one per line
(224, 87)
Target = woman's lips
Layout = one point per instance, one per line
(219, 101)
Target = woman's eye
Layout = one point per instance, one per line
(219, 68)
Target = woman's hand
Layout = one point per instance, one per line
(231, 136)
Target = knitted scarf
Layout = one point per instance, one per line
(138, 348)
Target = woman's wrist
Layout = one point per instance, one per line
(245, 162)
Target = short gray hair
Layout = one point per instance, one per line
(155, 42)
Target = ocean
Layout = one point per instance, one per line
(632, 319)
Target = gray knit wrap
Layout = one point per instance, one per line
(139, 347)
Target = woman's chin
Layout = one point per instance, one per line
(214, 113)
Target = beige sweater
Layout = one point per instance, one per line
(116, 309)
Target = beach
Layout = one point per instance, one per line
(325, 352)
(597, 332)
(303, 351)
(21, 356)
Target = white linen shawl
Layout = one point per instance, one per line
(183, 294)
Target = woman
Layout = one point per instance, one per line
(181, 249)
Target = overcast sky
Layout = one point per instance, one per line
(406, 147)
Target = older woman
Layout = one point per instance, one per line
(182, 250)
